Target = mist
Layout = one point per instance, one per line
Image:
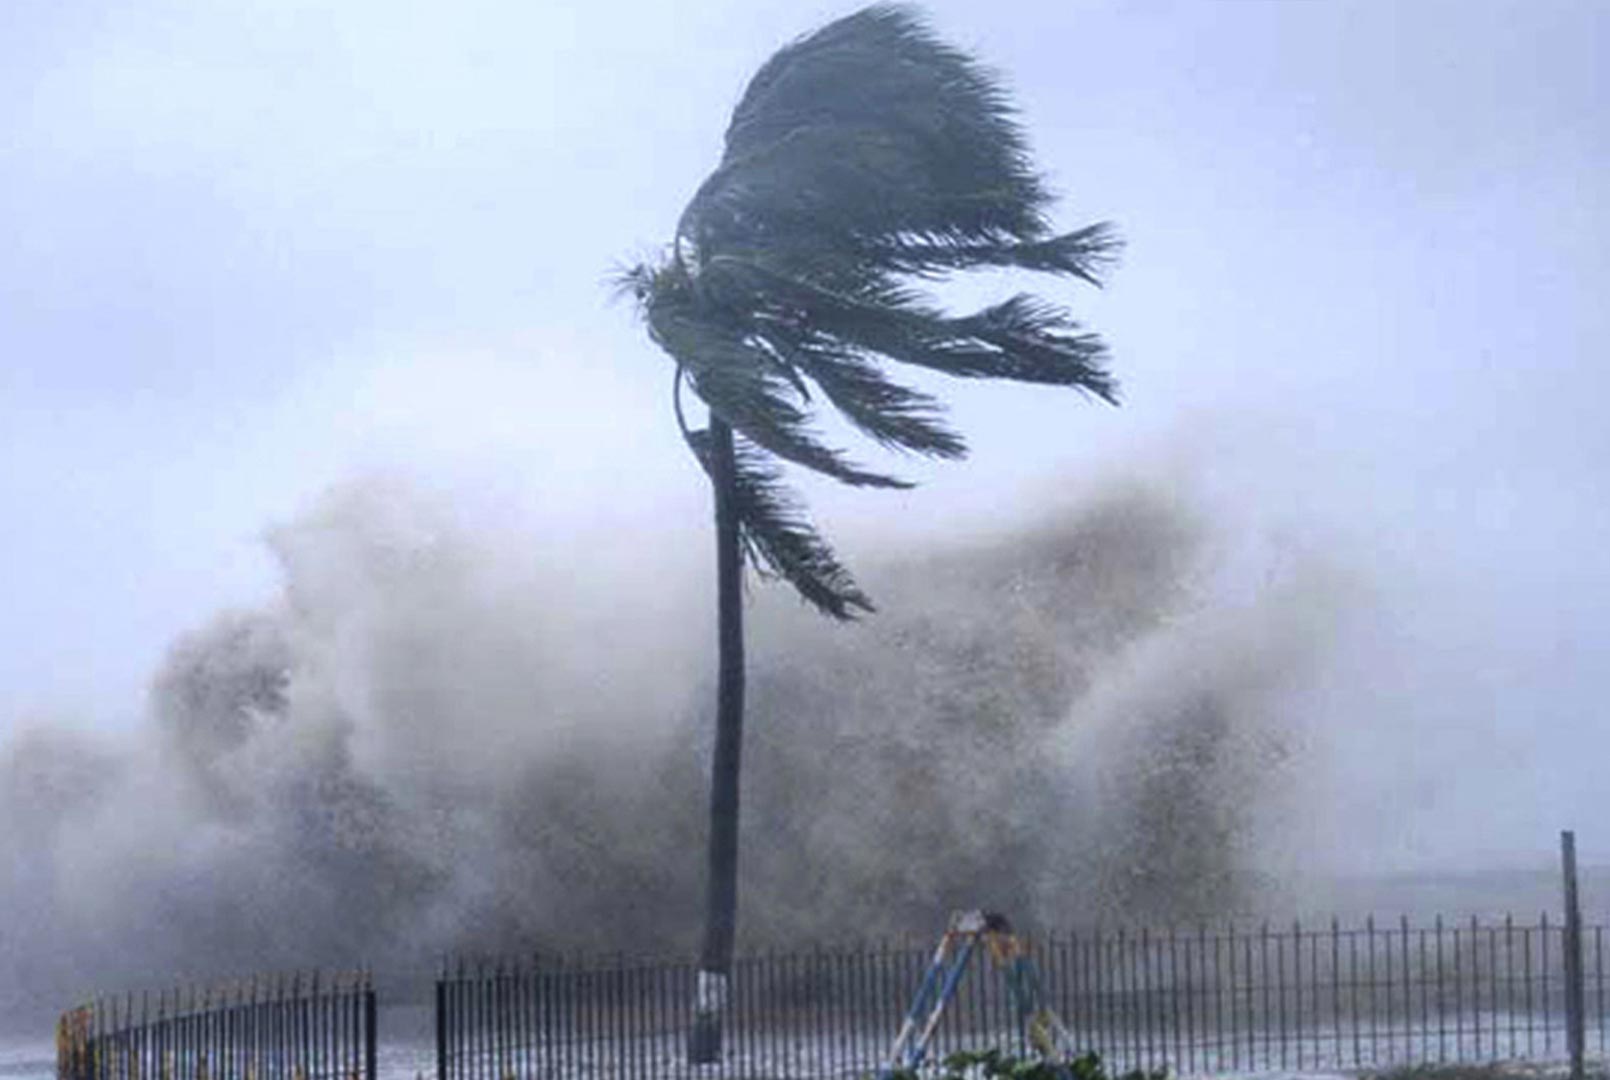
(436, 740)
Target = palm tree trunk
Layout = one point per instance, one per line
(721, 895)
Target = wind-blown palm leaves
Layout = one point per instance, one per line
(861, 159)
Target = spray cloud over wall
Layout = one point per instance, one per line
(435, 740)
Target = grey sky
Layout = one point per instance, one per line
(252, 249)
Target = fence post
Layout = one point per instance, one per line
(370, 1034)
(441, 1023)
(1574, 997)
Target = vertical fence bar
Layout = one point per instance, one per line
(1375, 1011)
(371, 1029)
(458, 1040)
(614, 1006)
(816, 1002)
(1102, 1004)
(1315, 965)
(1132, 998)
(1572, 948)
(1598, 983)
(1142, 987)
(1296, 1017)
(1543, 986)
(1475, 982)
(1115, 996)
(551, 990)
(467, 1044)
(335, 1021)
(1192, 1050)
(586, 1027)
(1527, 984)
(1458, 994)
(491, 989)
(1163, 1003)
(1352, 995)
(484, 1061)
(541, 979)
(1442, 1029)
(620, 1022)
(315, 1017)
(530, 1019)
(1336, 988)
(1424, 983)
(1175, 988)
(1509, 981)
(1280, 969)
(1232, 989)
(1218, 1001)
(1264, 1060)
(1492, 993)
(442, 1006)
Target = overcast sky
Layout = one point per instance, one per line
(251, 249)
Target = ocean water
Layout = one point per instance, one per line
(1524, 892)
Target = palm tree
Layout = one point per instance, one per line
(862, 158)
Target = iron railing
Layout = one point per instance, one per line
(292, 1028)
(1197, 1000)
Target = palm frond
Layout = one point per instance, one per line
(746, 385)
(1087, 253)
(1021, 339)
(860, 158)
(780, 540)
(871, 127)
(892, 415)
(751, 401)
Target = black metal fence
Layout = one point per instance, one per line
(1198, 1000)
(282, 1029)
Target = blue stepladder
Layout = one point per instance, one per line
(968, 930)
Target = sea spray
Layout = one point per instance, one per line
(435, 739)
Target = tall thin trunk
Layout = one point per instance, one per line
(721, 895)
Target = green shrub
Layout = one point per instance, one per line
(993, 1064)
